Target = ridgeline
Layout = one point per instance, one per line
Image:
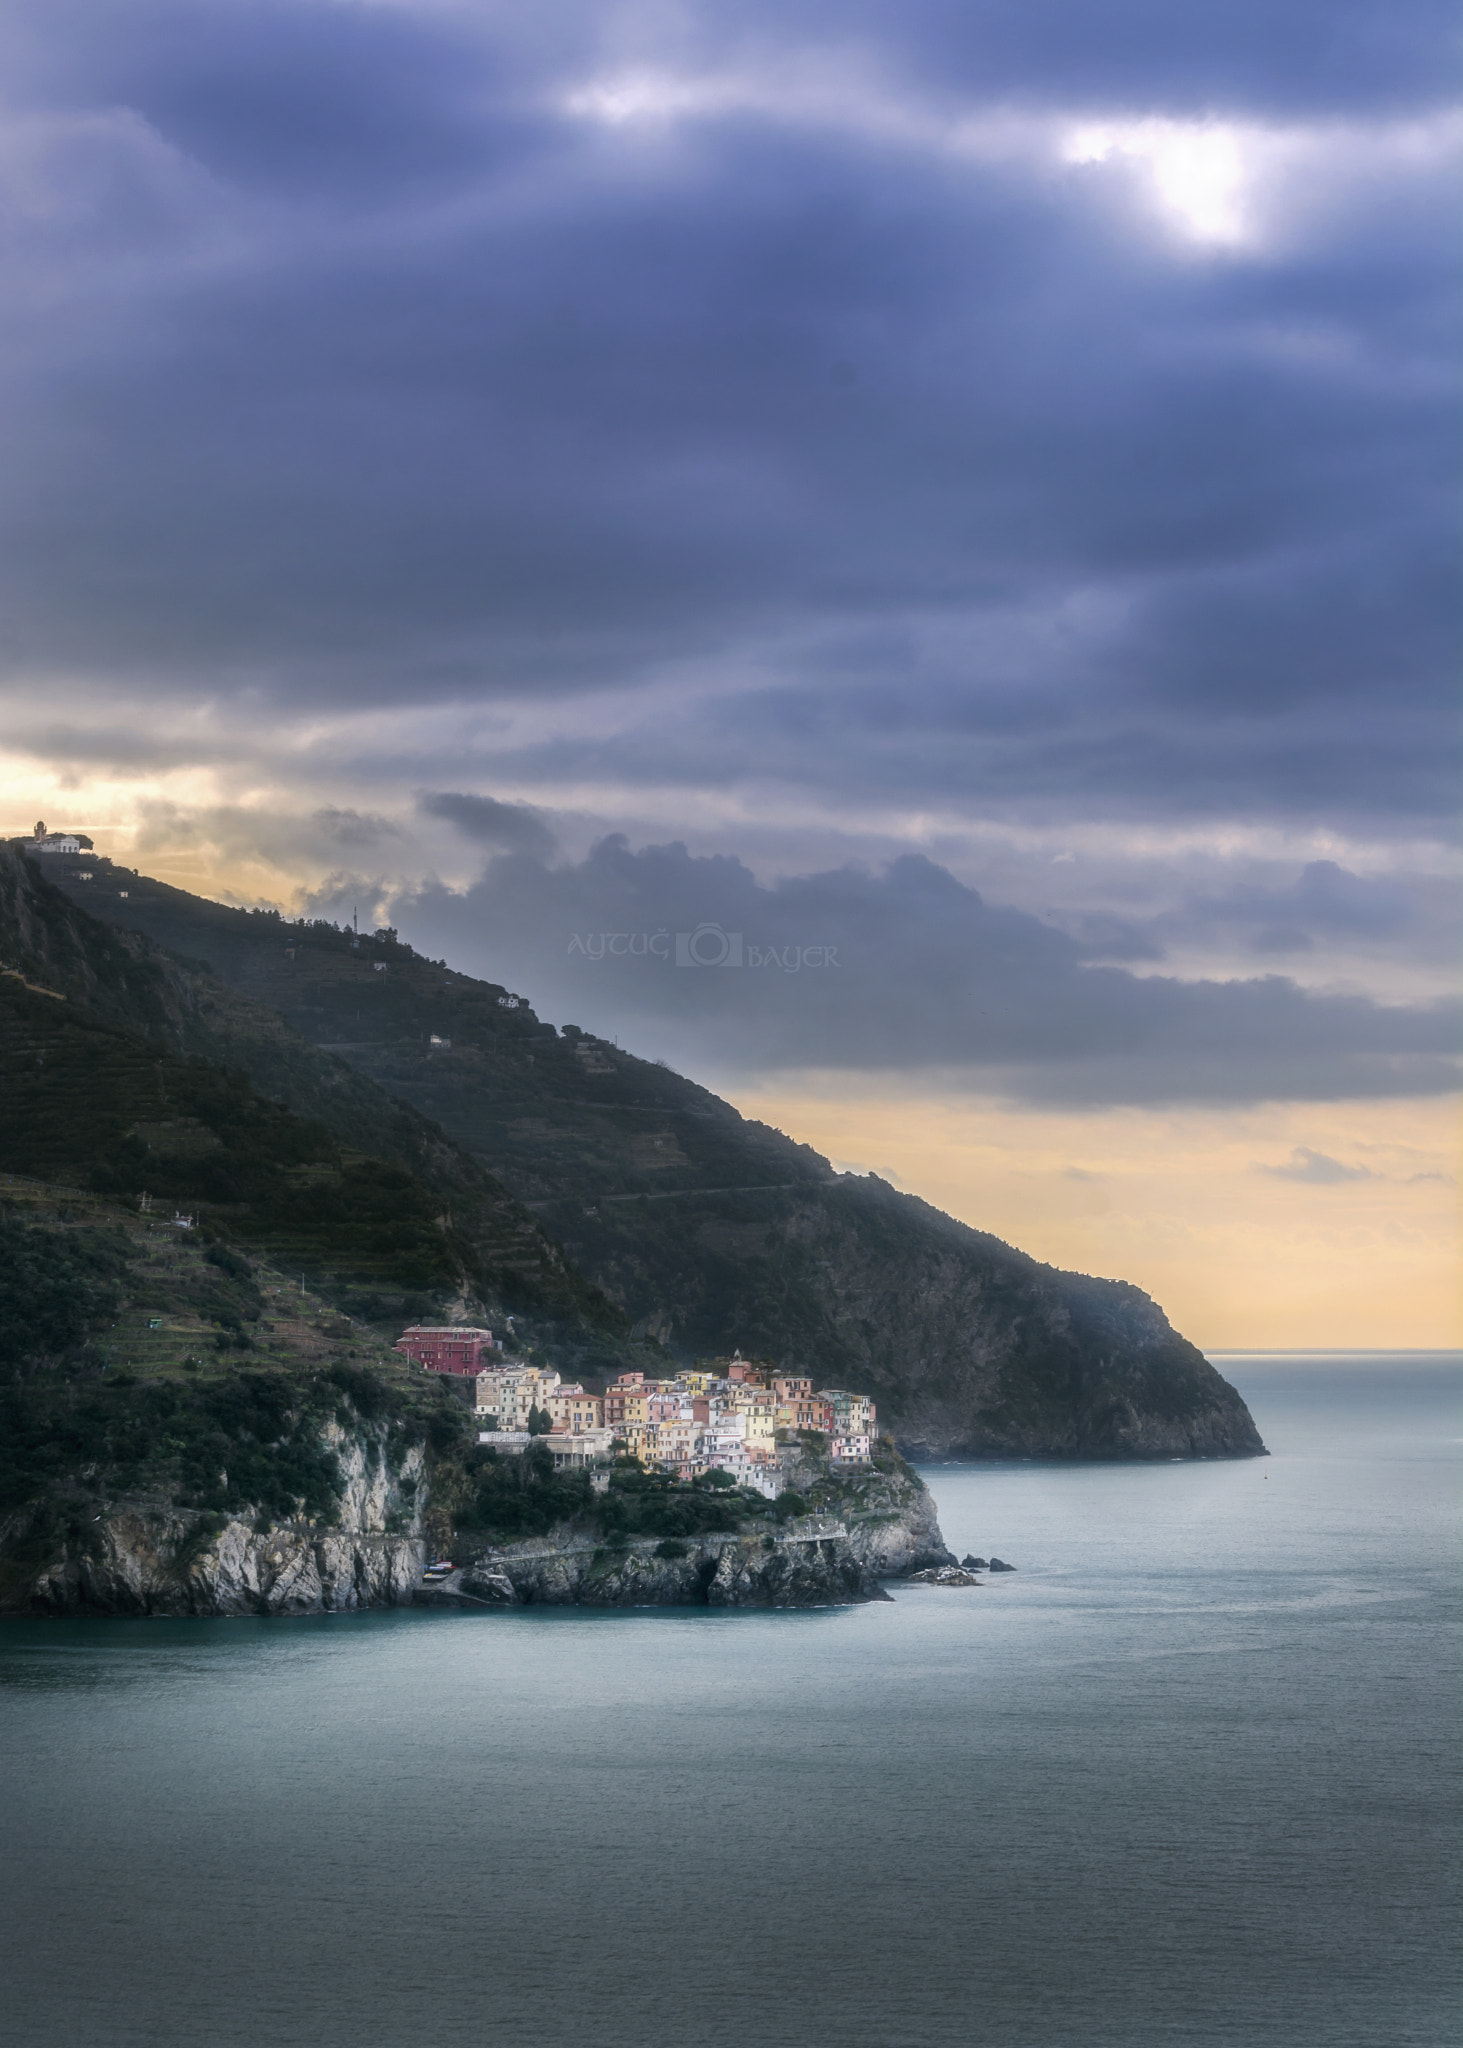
(621, 1210)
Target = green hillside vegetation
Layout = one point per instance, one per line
(481, 1492)
(133, 1073)
(554, 1114)
(141, 1363)
(705, 1230)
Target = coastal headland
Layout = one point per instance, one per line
(189, 1431)
(387, 1123)
(217, 1231)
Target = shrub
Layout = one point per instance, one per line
(229, 1261)
(54, 1288)
(250, 1439)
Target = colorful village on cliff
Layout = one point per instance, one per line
(727, 1416)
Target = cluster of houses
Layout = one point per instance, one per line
(728, 1416)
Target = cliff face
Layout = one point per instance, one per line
(810, 1565)
(152, 1558)
(886, 1528)
(133, 1570)
(971, 1348)
(146, 1558)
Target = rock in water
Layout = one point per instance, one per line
(495, 1589)
(944, 1575)
(973, 1564)
(998, 1565)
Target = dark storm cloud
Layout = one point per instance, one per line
(1325, 902)
(1321, 908)
(354, 831)
(508, 828)
(1043, 754)
(349, 365)
(1307, 55)
(903, 970)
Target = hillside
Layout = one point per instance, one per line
(185, 1429)
(129, 1072)
(154, 1387)
(706, 1230)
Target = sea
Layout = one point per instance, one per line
(1188, 1777)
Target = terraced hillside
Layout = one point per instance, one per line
(709, 1231)
(129, 1073)
(186, 1429)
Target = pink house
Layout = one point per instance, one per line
(448, 1347)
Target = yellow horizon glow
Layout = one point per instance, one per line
(1178, 1201)
(1173, 1200)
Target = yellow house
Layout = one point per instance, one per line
(574, 1411)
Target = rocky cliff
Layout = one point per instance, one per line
(141, 1557)
(885, 1527)
(809, 1565)
(137, 1557)
(185, 1430)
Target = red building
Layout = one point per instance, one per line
(448, 1347)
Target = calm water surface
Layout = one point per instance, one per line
(1188, 1777)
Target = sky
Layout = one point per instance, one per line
(901, 559)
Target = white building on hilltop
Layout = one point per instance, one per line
(58, 842)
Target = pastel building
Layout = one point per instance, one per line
(797, 1405)
(626, 1409)
(677, 1443)
(747, 1469)
(575, 1412)
(757, 1410)
(723, 1420)
(852, 1427)
(574, 1453)
(445, 1347)
(853, 1414)
(513, 1392)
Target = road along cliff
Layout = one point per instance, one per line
(139, 1557)
(884, 1527)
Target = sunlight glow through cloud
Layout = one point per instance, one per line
(1198, 169)
(1215, 181)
